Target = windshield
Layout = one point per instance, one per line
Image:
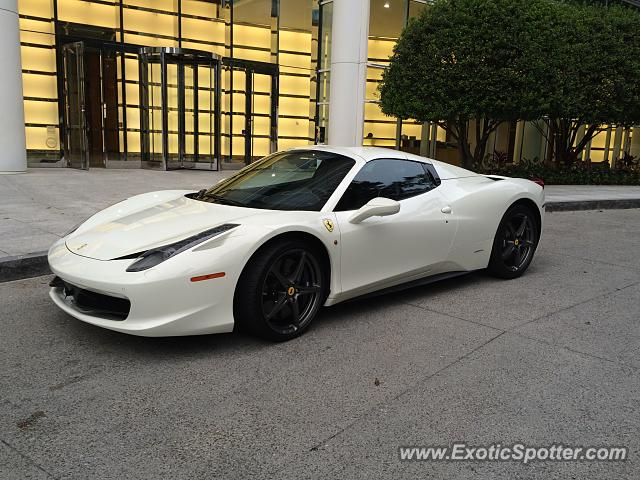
(293, 180)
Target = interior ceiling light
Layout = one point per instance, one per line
(386, 4)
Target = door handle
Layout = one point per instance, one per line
(446, 209)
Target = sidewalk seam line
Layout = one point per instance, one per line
(628, 267)
(538, 340)
(456, 317)
(28, 458)
(547, 315)
(421, 381)
(573, 350)
(31, 225)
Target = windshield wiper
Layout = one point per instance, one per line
(222, 200)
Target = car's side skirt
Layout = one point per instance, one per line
(420, 277)
(414, 283)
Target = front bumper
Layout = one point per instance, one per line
(163, 301)
(92, 303)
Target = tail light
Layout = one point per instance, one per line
(539, 181)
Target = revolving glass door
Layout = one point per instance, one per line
(179, 109)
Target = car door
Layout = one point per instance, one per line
(381, 252)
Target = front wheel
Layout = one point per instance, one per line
(280, 291)
(515, 243)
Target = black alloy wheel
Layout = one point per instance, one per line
(280, 291)
(515, 243)
(291, 291)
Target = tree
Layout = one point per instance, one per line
(469, 59)
(592, 75)
(574, 64)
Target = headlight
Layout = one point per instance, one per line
(153, 257)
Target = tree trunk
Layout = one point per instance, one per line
(562, 135)
(582, 144)
(459, 129)
(550, 143)
(559, 148)
(481, 148)
(563, 149)
(466, 157)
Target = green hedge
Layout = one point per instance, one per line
(581, 173)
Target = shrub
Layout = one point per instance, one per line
(626, 172)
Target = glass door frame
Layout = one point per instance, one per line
(75, 50)
(182, 58)
(100, 40)
(251, 68)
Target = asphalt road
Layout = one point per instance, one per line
(550, 357)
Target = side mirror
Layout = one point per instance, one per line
(376, 207)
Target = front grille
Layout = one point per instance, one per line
(93, 303)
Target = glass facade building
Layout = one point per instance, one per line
(167, 82)
(217, 83)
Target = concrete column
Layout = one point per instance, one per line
(635, 141)
(517, 148)
(582, 129)
(350, 34)
(532, 142)
(617, 145)
(424, 139)
(433, 144)
(13, 151)
(607, 142)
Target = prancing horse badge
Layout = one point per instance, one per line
(329, 224)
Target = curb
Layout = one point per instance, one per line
(24, 266)
(593, 205)
(36, 264)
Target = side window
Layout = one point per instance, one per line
(395, 179)
(431, 171)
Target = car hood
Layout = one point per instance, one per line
(150, 221)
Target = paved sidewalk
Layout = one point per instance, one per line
(42, 205)
(577, 193)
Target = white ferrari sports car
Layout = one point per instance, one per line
(265, 248)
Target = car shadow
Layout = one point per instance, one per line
(117, 342)
(404, 295)
(239, 341)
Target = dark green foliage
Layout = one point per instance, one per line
(466, 59)
(503, 60)
(627, 171)
(594, 75)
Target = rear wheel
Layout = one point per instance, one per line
(515, 243)
(280, 291)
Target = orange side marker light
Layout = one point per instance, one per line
(207, 277)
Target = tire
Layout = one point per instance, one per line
(515, 243)
(280, 291)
